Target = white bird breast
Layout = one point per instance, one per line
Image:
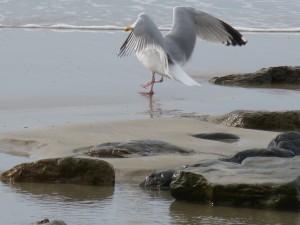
(154, 60)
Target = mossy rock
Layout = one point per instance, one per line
(262, 120)
(265, 76)
(63, 170)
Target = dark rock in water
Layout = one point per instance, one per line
(158, 180)
(63, 170)
(261, 120)
(271, 75)
(225, 137)
(272, 152)
(288, 141)
(44, 221)
(48, 222)
(259, 182)
(133, 148)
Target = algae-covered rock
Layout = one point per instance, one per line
(63, 170)
(260, 182)
(261, 120)
(272, 75)
(158, 180)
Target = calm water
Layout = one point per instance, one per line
(24, 203)
(127, 203)
(124, 204)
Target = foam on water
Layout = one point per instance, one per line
(112, 27)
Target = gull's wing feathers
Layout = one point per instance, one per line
(212, 29)
(208, 27)
(190, 21)
(144, 34)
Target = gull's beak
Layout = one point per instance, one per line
(129, 28)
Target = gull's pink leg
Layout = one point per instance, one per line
(151, 83)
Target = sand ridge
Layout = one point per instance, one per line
(60, 141)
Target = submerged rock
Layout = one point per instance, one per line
(135, 148)
(158, 180)
(63, 170)
(271, 75)
(261, 120)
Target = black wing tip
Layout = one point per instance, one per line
(236, 37)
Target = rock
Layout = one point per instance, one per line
(225, 137)
(271, 152)
(288, 141)
(63, 170)
(261, 120)
(47, 222)
(56, 222)
(271, 75)
(260, 178)
(44, 221)
(158, 180)
(135, 148)
(259, 182)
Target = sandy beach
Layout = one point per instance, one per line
(61, 91)
(61, 141)
(62, 87)
(66, 90)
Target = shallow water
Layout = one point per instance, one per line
(125, 204)
(240, 13)
(70, 77)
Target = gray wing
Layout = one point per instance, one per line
(144, 34)
(212, 29)
(190, 23)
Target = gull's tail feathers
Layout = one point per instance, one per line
(177, 73)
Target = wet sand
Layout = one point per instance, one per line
(65, 90)
(61, 141)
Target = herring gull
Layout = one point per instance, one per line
(164, 55)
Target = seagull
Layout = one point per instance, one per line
(165, 55)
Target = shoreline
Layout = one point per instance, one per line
(73, 91)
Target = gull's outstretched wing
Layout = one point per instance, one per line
(144, 34)
(212, 29)
(190, 23)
